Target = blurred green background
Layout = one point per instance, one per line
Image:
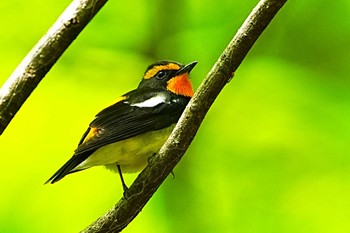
(272, 154)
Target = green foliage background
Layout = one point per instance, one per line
(271, 156)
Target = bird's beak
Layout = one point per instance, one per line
(187, 68)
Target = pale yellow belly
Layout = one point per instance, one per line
(131, 154)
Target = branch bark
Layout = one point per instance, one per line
(170, 154)
(43, 56)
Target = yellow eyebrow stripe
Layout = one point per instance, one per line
(150, 73)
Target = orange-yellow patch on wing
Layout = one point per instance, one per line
(181, 85)
(93, 131)
(150, 73)
(119, 99)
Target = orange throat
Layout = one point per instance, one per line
(181, 85)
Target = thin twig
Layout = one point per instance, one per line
(43, 56)
(162, 164)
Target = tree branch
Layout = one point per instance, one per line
(43, 56)
(162, 164)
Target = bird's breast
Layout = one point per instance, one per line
(131, 154)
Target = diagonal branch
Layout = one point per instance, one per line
(43, 56)
(162, 164)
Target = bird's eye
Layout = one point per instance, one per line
(161, 74)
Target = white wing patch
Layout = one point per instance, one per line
(152, 102)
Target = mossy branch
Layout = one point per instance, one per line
(43, 56)
(162, 164)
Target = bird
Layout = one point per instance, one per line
(123, 136)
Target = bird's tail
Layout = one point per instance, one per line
(67, 168)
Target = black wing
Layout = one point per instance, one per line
(122, 121)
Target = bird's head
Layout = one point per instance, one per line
(169, 75)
